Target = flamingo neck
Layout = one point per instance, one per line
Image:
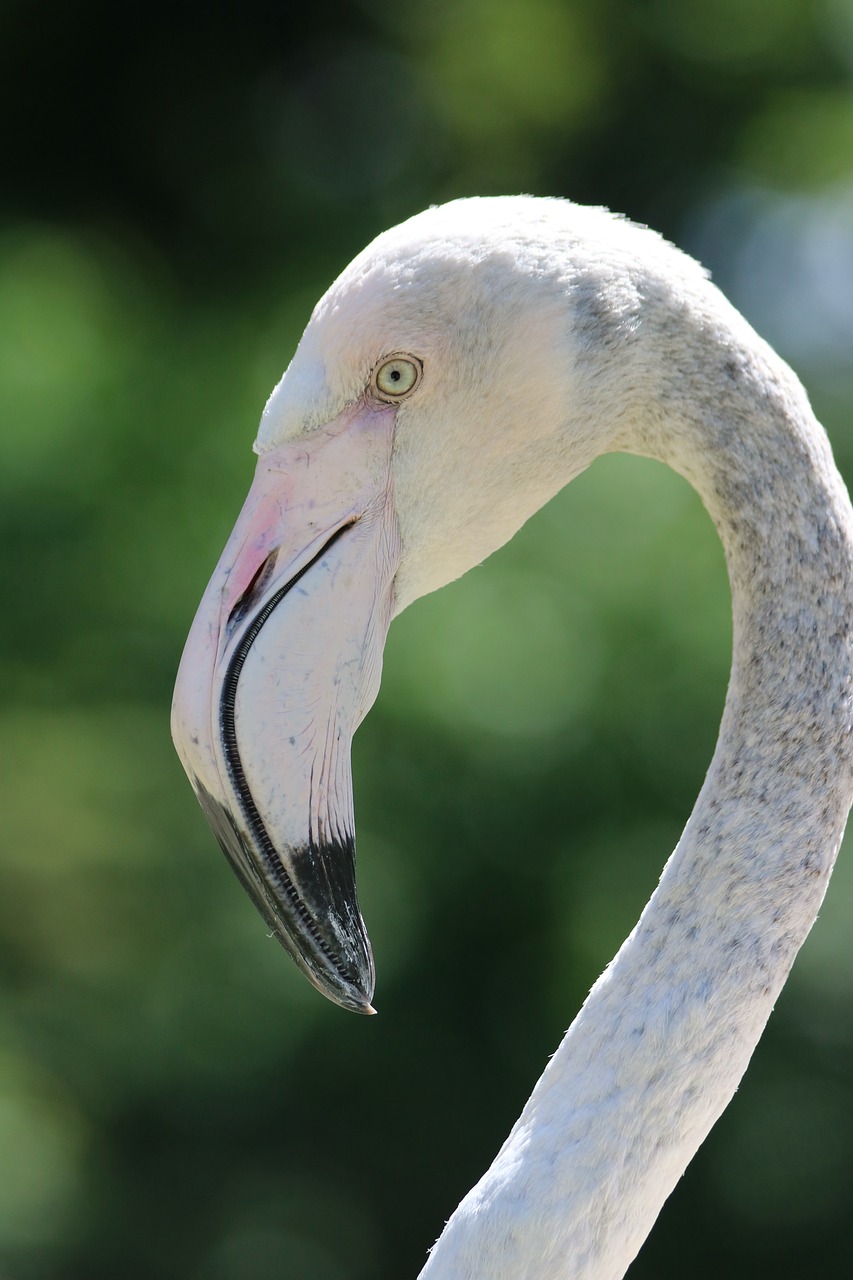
(663, 1039)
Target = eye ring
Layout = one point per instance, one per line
(396, 376)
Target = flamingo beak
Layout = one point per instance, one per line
(281, 665)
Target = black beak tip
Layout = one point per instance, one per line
(335, 956)
(347, 984)
(355, 1001)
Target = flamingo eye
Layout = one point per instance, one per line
(396, 376)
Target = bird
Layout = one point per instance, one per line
(467, 365)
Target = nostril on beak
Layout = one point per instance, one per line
(244, 602)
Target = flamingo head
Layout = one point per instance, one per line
(443, 390)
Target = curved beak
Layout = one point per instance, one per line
(281, 665)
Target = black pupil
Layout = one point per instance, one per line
(395, 375)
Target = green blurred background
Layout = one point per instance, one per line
(179, 184)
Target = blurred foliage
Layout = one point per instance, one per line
(178, 190)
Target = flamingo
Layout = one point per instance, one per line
(464, 367)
